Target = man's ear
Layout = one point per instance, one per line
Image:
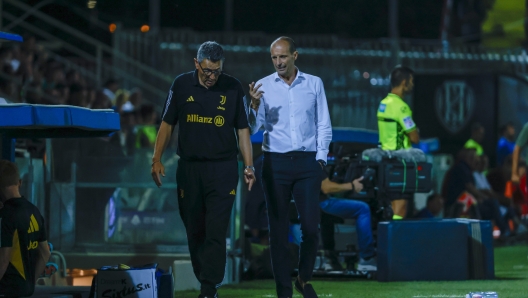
(19, 182)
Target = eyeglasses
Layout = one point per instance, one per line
(208, 72)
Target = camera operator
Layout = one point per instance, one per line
(397, 129)
(351, 209)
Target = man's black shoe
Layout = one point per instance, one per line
(298, 286)
(307, 292)
(203, 296)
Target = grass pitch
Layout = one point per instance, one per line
(511, 271)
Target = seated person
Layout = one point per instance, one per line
(24, 250)
(435, 204)
(351, 209)
(327, 227)
(507, 207)
(460, 179)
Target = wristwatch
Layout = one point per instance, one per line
(322, 162)
(250, 167)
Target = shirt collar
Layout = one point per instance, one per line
(195, 78)
(395, 95)
(300, 75)
(12, 200)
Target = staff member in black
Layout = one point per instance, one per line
(209, 107)
(24, 250)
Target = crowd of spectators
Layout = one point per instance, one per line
(473, 189)
(28, 74)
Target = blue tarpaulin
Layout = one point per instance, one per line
(44, 121)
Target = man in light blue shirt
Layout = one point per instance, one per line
(292, 108)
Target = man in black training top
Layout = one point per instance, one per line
(24, 250)
(209, 107)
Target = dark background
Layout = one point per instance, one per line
(419, 19)
(485, 112)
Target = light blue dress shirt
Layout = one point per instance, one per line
(295, 118)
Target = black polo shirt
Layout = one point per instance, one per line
(207, 117)
(22, 228)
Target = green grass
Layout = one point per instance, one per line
(511, 270)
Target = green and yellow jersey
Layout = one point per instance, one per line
(394, 123)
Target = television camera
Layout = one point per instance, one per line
(387, 176)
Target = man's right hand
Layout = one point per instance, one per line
(357, 184)
(255, 95)
(515, 178)
(157, 169)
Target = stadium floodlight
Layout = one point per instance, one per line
(145, 28)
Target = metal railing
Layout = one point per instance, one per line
(355, 72)
(82, 47)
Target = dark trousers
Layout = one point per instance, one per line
(206, 192)
(490, 210)
(287, 175)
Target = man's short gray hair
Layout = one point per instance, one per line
(210, 50)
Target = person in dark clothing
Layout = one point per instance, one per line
(209, 108)
(24, 250)
(460, 179)
(506, 143)
(434, 206)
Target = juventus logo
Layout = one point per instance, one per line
(223, 99)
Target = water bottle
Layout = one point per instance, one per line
(482, 295)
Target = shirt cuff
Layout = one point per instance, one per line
(321, 155)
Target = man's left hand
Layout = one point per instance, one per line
(358, 186)
(249, 177)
